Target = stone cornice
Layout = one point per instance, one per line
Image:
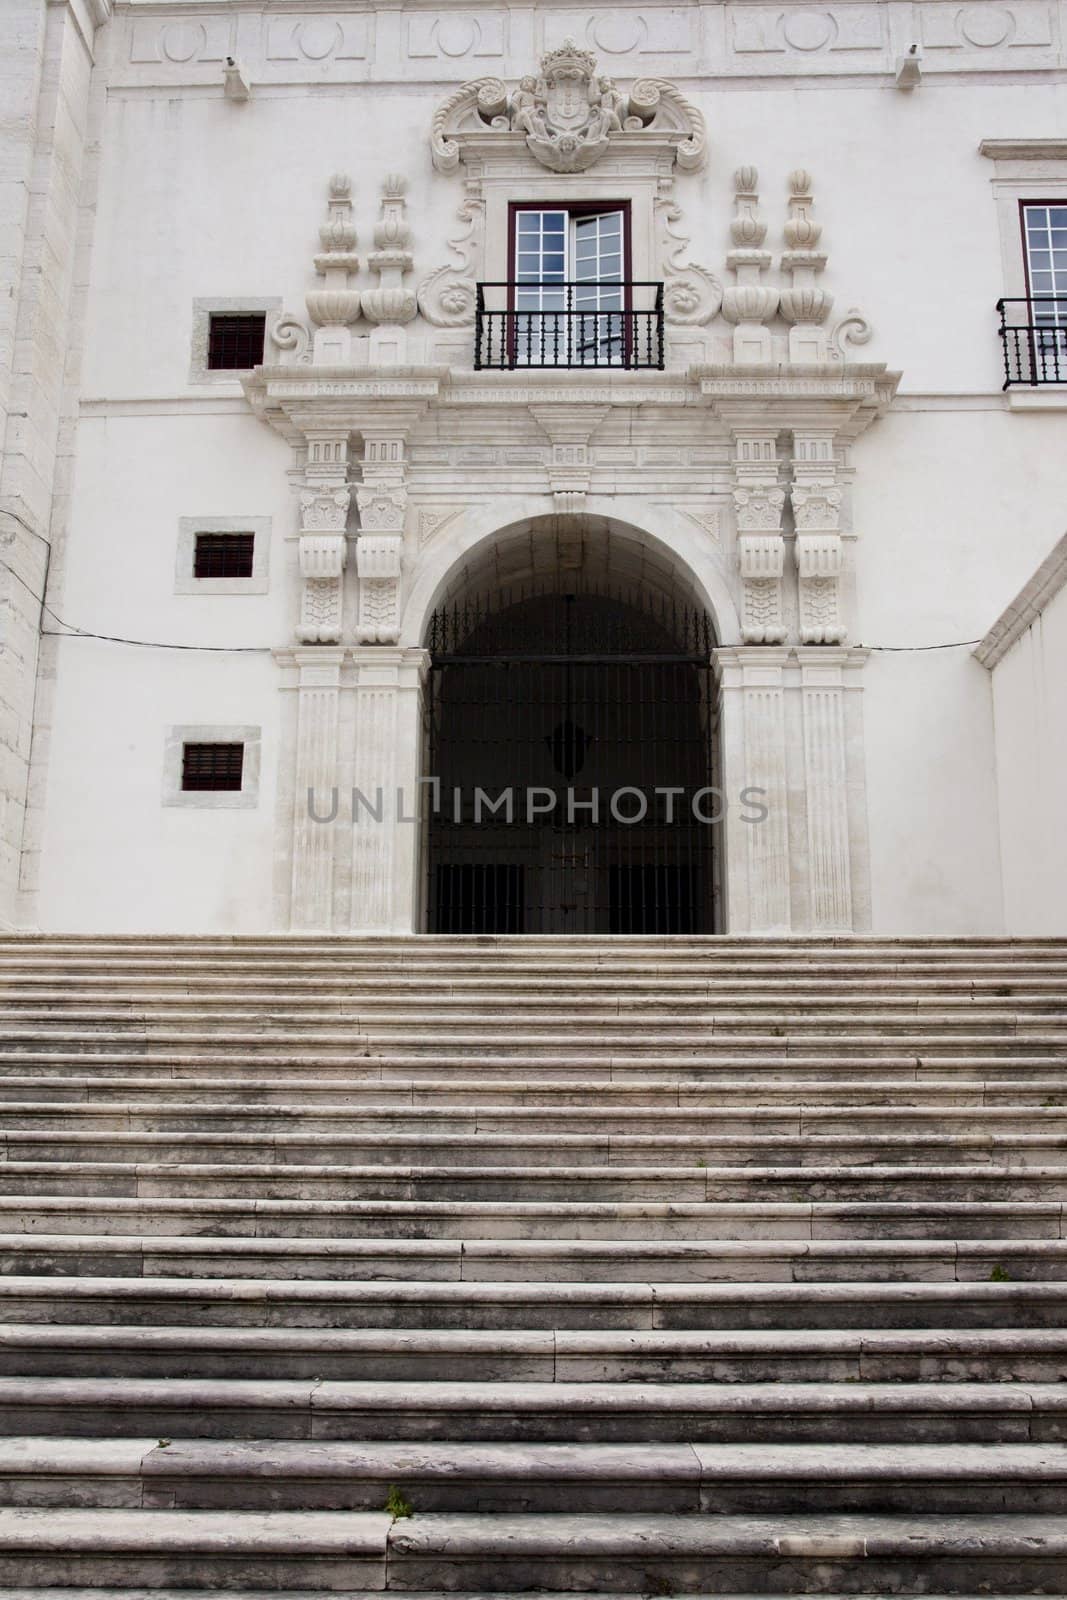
(1050, 149)
(1026, 608)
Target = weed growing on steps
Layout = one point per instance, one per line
(396, 1505)
(999, 1275)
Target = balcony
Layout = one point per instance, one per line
(1034, 335)
(590, 324)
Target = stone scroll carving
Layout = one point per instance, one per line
(568, 114)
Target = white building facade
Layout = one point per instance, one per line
(607, 405)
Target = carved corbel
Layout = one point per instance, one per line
(382, 499)
(816, 501)
(323, 549)
(758, 504)
(378, 563)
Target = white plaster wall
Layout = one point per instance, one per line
(114, 858)
(954, 510)
(1029, 692)
(956, 497)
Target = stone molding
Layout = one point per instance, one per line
(243, 799)
(1026, 608)
(199, 371)
(189, 527)
(312, 44)
(1051, 149)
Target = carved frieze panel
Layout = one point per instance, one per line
(657, 31)
(457, 35)
(986, 28)
(317, 39)
(806, 31)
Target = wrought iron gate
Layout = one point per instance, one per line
(573, 739)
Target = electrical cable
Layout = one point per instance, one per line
(74, 632)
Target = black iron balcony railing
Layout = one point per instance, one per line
(1034, 335)
(569, 325)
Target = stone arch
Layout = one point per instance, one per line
(655, 545)
(620, 721)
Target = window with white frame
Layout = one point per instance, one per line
(570, 272)
(1045, 243)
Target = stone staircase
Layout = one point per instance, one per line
(632, 1267)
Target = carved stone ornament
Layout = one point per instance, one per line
(758, 503)
(335, 304)
(568, 115)
(759, 510)
(819, 550)
(322, 561)
(391, 302)
(448, 295)
(378, 566)
(323, 511)
(381, 510)
(691, 294)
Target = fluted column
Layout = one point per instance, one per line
(822, 692)
(318, 693)
(386, 801)
(753, 731)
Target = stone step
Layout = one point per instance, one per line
(569, 1413)
(684, 1478)
(531, 1303)
(546, 1261)
(667, 1094)
(941, 1357)
(695, 1068)
(135, 1593)
(445, 984)
(699, 1150)
(514, 1219)
(972, 1181)
(375, 1003)
(405, 1024)
(580, 1123)
(867, 1553)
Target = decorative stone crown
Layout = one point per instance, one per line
(568, 114)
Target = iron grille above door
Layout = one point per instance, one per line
(570, 735)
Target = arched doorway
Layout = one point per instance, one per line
(572, 730)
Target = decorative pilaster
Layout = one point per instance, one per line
(754, 763)
(758, 502)
(318, 692)
(323, 538)
(805, 305)
(391, 304)
(816, 501)
(335, 306)
(749, 304)
(382, 498)
(822, 693)
(386, 832)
